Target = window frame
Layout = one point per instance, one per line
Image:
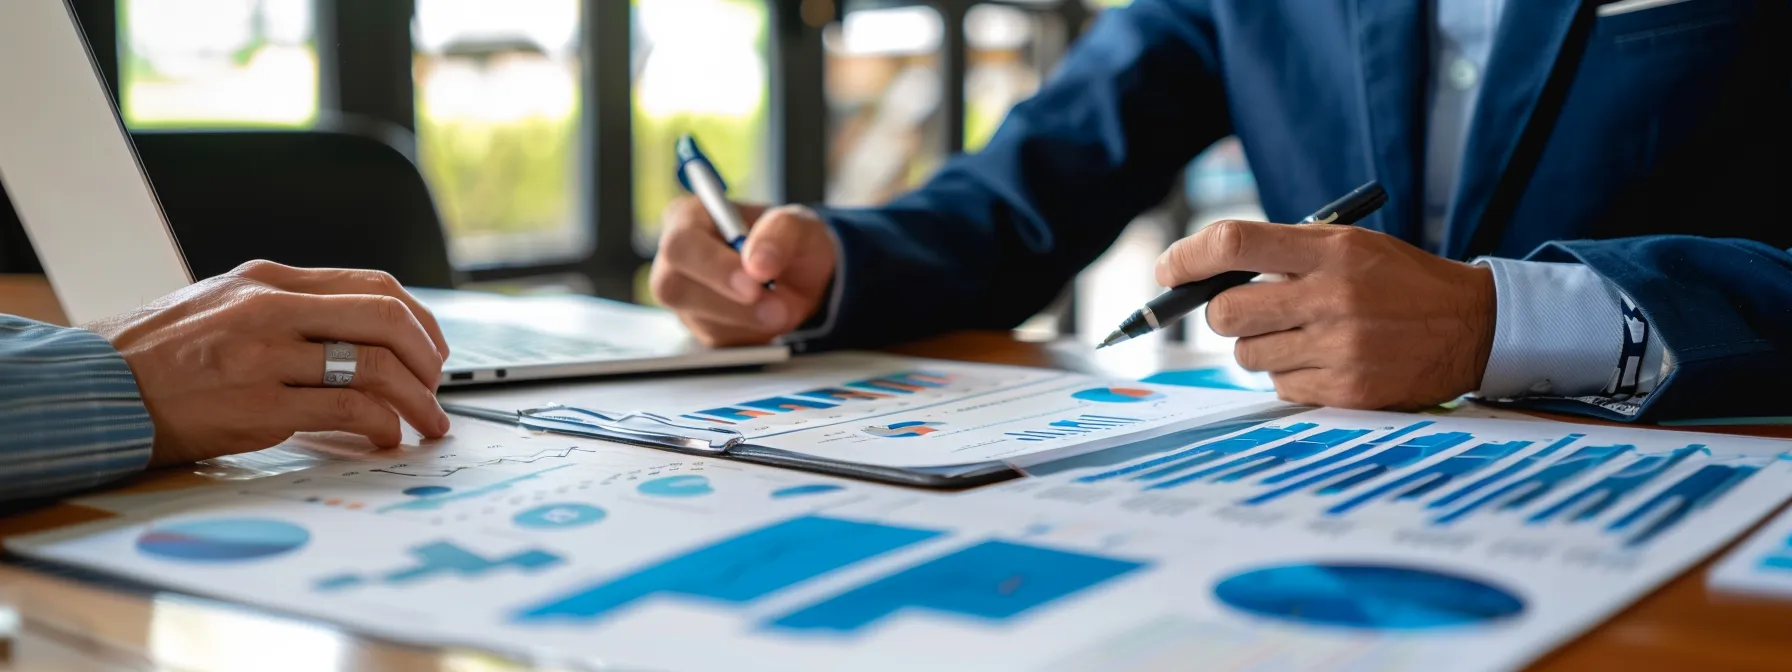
(365, 68)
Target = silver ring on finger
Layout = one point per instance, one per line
(339, 364)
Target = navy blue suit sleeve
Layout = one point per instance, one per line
(1723, 308)
(995, 236)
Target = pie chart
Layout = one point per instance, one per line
(1118, 395)
(1367, 597)
(222, 539)
(676, 486)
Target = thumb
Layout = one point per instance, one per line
(776, 241)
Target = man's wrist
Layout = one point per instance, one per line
(1483, 317)
(1555, 330)
(820, 325)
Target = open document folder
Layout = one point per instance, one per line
(896, 419)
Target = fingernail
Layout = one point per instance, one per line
(771, 315)
(744, 285)
(767, 257)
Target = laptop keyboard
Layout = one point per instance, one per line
(478, 343)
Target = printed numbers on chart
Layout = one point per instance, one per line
(1449, 541)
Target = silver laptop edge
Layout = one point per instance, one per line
(72, 173)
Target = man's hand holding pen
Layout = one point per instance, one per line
(1362, 320)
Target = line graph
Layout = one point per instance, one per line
(425, 471)
(436, 501)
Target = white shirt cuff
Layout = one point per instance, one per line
(1559, 332)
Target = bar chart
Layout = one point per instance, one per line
(1450, 474)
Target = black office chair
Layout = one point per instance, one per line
(345, 194)
(15, 249)
(342, 195)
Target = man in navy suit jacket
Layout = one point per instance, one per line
(1586, 207)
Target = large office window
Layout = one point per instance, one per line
(883, 86)
(501, 109)
(217, 63)
(497, 90)
(1008, 49)
(699, 67)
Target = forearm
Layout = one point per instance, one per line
(996, 235)
(71, 416)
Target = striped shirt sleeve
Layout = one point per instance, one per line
(70, 413)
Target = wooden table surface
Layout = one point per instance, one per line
(1683, 626)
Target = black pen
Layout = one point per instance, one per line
(1183, 299)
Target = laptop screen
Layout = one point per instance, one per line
(71, 172)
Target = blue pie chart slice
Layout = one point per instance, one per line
(222, 539)
(1368, 597)
(676, 486)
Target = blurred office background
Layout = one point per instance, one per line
(544, 127)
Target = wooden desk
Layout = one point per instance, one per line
(1680, 627)
(30, 296)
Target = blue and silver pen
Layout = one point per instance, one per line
(700, 177)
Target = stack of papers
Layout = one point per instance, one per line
(1322, 540)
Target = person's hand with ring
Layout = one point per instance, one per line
(244, 360)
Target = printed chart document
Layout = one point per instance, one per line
(903, 412)
(1762, 565)
(1325, 540)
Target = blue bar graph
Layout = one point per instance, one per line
(1373, 465)
(1346, 454)
(1533, 487)
(736, 414)
(1422, 482)
(1077, 426)
(1452, 474)
(903, 383)
(1691, 493)
(787, 404)
(1596, 498)
(843, 394)
(993, 580)
(1508, 472)
(1205, 452)
(737, 570)
(441, 558)
(1291, 451)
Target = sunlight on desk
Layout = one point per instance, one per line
(185, 635)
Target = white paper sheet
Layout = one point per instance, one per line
(901, 411)
(1323, 541)
(1762, 565)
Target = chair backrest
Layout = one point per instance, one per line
(346, 194)
(15, 249)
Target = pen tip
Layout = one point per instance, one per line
(1113, 338)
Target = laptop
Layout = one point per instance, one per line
(104, 242)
